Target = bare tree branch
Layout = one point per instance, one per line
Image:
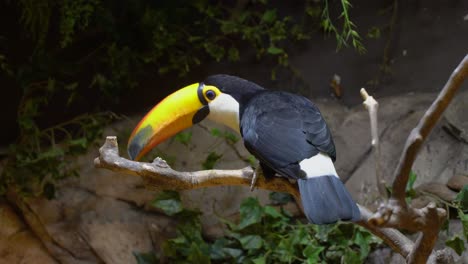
(158, 175)
(424, 127)
(396, 212)
(372, 106)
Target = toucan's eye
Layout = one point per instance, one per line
(210, 94)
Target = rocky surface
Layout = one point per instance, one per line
(17, 243)
(104, 216)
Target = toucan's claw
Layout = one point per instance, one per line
(258, 172)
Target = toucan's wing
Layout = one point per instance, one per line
(282, 129)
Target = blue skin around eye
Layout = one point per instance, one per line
(210, 94)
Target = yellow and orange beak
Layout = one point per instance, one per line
(175, 113)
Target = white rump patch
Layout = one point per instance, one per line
(224, 109)
(318, 165)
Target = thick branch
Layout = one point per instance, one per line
(158, 175)
(396, 212)
(424, 127)
(392, 237)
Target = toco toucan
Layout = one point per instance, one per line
(284, 131)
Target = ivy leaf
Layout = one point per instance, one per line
(275, 50)
(351, 257)
(252, 160)
(216, 132)
(71, 86)
(251, 242)
(271, 211)
(259, 260)
(457, 244)
(169, 202)
(231, 138)
(269, 16)
(233, 54)
(250, 213)
(184, 138)
(462, 198)
(51, 153)
(211, 160)
(145, 258)
(312, 253)
(464, 218)
(197, 254)
(79, 143)
(280, 198)
(363, 242)
(233, 252)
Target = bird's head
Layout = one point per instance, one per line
(218, 97)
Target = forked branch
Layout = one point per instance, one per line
(158, 175)
(396, 212)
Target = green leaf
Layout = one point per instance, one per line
(275, 50)
(252, 160)
(214, 50)
(145, 258)
(53, 152)
(410, 192)
(233, 252)
(169, 202)
(196, 254)
(363, 242)
(351, 257)
(251, 242)
(312, 253)
(216, 132)
(259, 260)
(71, 86)
(184, 138)
(411, 181)
(269, 16)
(231, 138)
(464, 219)
(211, 160)
(233, 54)
(457, 244)
(280, 198)
(79, 142)
(250, 212)
(462, 198)
(271, 211)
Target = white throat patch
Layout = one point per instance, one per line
(224, 109)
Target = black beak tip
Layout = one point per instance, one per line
(139, 141)
(133, 150)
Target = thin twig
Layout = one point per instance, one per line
(373, 106)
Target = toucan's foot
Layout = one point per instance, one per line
(257, 173)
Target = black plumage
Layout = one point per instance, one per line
(281, 130)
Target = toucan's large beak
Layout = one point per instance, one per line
(175, 113)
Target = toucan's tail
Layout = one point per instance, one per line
(326, 200)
